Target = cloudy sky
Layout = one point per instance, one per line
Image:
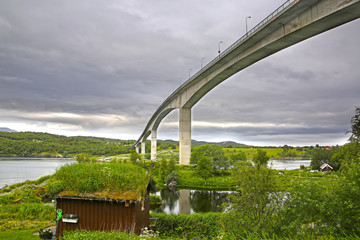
(101, 68)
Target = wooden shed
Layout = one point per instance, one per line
(101, 197)
(102, 214)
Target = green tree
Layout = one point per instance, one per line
(163, 171)
(213, 152)
(238, 156)
(320, 156)
(254, 208)
(134, 156)
(355, 126)
(83, 157)
(204, 168)
(348, 199)
(260, 158)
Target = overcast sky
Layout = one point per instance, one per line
(101, 68)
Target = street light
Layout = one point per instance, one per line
(202, 62)
(247, 24)
(219, 47)
(190, 72)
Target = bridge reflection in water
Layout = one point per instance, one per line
(192, 201)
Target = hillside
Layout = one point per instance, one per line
(4, 129)
(34, 144)
(196, 143)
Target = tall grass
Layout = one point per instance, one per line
(94, 177)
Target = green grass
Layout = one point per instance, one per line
(189, 179)
(96, 177)
(250, 152)
(19, 234)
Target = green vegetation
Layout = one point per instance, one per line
(214, 153)
(21, 207)
(19, 234)
(115, 180)
(98, 235)
(204, 168)
(28, 144)
(194, 226)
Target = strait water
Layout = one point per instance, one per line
(14, 170)
(288, 164)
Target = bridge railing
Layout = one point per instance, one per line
(229, 49)
(240, 40)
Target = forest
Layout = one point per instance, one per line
(31, 144)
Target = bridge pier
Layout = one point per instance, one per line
(143, 147)
(184, 135)
(153, 144)
(137, 148)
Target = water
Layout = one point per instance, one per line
(288, 164)
(192, 201)
(14, 170)
(195, 201)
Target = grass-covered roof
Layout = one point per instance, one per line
(119, 181)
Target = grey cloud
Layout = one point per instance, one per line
(123, 58)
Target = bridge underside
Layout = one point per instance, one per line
(298, 20)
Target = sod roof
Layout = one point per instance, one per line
(107, 181)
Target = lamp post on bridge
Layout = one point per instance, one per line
(201, 66)
(246, 24)
(190, 72)
(219, 47)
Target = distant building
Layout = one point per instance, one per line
(326, 167)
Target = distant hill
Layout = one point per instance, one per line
(2, 129)
(199, 143)
(221, 144)
(37, 144)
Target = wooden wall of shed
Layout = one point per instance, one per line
(98, 215)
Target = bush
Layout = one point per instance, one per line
(194, 226)
(173, 176)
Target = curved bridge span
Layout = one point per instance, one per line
(293, 22)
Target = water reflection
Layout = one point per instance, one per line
(192, 201)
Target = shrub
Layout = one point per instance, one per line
(173, 176)
(194, 226)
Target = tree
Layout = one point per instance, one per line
(348, 195)
(260, 158)
(254, 208)
(320, 156)
(239, 156)
(134, 156)
(163, 169)
(355, 126)
(204, 168)
(213, 152)
(83, 157)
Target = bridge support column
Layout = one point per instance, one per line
(153, 144)
(137, 148)
(184, 135)
(143, 147)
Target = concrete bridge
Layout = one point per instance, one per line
(294, 21)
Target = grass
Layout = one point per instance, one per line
(271, 152)
(189, 179)
(114, 180)
(19, 234)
